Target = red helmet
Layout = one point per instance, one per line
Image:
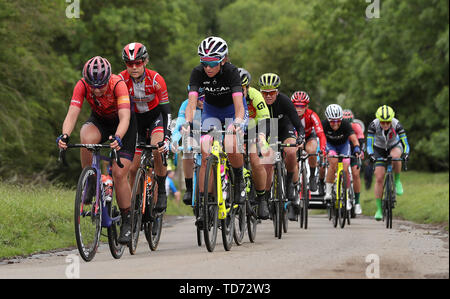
(348, 114)
(134, 51)
(97, 71)
(300, 98)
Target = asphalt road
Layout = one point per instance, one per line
(365, 249)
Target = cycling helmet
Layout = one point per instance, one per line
(245, 76)
(334, 112)
(300, 98)
(269, 81)
(97, 71)
(348, 114)
(385, 113)
(134, 51)
(213, 47)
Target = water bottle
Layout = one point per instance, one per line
(224, 178)
(107, 187)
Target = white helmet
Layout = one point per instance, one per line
(213, 47)
(334, 111)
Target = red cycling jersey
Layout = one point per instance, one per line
(358, 130)
(107, 106)
(311, 120)
(148, 93)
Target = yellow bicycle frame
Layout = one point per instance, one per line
(216, 150)
(338, 185)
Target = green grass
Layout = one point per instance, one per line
(425, 198)
(35, 219)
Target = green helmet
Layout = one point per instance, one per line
(385, 113)
(269, 81)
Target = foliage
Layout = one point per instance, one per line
(328, 48)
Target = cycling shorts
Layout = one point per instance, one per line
(342, 149)
(108, 127)
(148, 120)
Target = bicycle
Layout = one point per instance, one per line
(338, 209)
(143, 201)
(304, 192)
(389, 193)
(219, 204)
(92, 210)
(195, 187)
(246, 218)
(278, 200)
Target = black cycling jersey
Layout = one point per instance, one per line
(340, 136)
(218, 89)
(284, 110)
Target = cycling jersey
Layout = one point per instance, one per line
(386, 140)
(149, 97)
(106, 106)
(340, 136)
(311, 120)
(284, 110)
(257, 107)
(219, 89)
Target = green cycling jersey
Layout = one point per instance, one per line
(257, 108)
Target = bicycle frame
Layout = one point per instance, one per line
(217, 151)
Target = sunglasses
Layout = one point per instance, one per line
(335, 121)
(210, 63)
(137, 63)
(269, 92)
(300, 106)
(98, 87)
(385, 122)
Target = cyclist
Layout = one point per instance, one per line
(310, 120)
(258, 112)
(223, 105)
(111, 119)
(188, 156)
(150, 102)
(386, 136)
(348, 115)
(339, 136)
(290, 130)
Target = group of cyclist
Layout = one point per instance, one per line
(127, 106)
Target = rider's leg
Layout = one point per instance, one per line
(311, 148)
(396, 152)
(379, 181)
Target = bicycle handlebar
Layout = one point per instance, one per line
(91, 147)
(153, 147)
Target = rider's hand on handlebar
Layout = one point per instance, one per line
(116, 142)
(62, 140)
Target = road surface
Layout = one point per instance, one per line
(365, 249)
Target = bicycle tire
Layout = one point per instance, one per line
(196, 206)
(227, 224)
(343, 200)
(137, 201)
(115, 247)
(87, 217)
(155, 218)
(335, 205)
(280, 202)
(240, 224)
(388, 201)
(304, 198)
(210, 207)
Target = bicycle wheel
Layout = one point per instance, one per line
(115, 247)
(240, 224)
(343, 200)
(304, 198)
(251, 210)
(209, 205)
(87, 214)
(137, 201)
(389, 189)
(227, 224)
(196, 206)
(335, 204)
(280, 209)
(153, 225)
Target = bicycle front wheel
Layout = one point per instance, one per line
(209, 205)
(136, 209)
(227, 224)
(251, 209)
(342, 199)
(88, 214)
(115, 247)
(389, 191)
(304, 198)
